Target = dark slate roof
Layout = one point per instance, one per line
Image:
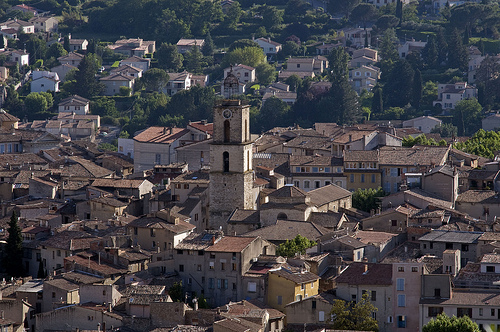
(245, 216)
(451, 236)
(328, 194)
(288, 191)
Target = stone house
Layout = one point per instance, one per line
(74, 104)
(268, 46)
(481, 204)
(40, 188)
(287, 285)
(127, 70)
(178, 82)
(112, 83)
(331, 198)
(133, 47)
(156, 146)
(59, 292)
(72, 59)
(136, 188)
(196, 154)
(442, 181)
(356, 37)
(99, 293)
(45, 23)
(374, 279)
(491, 122)
(26, 27)
(245, 74)
(394, 220)
(311, 310)
(423, 123)
(212, 264)
(184, 184)
(313, 172)
(364, 77)
(76, 45)
(44, 81)
(361, 169)
(437, 241)
(63, 70)
(137, 62)
(104, 208)
(450, 94)
(185, 45)
(411, 46)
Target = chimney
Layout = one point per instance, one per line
(213, 240)
(195, 304)
(110, 307)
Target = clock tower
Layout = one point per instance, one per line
(231, 174)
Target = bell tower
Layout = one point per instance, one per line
(231, 174)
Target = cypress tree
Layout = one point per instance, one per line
(208, 47)
(377, 100)
(417, 89)
(14, 249)
(399, 11)
(457, 52)
(66, 44)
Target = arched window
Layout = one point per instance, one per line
(225, 158)
(282, 216)
(227, 131)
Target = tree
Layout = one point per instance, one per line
(250, 56)
(104, 106)
(169, 57)
(154, 79)
(56, 50)
(242, 43)
(416, 89)
(388, 52)
(35, 103)
(398, 88)
(293, 81)
(357, 316)
(87, 86)
(290, 48)
(271, 16)
(175, 292)
(482, 143)
(399, 11)
(457, 52)
(442, 47)
(41, 274)
(467, 116)
(208, 47)
(385, 22)
(443, 323)
(66, 43)
(233, 15)
(342, 6)
(363, 13)
(193, 60)
(377, 100)
(366, 199)
(2, 42)
(273, 113)
(14, 249)
(298, 245)
(430, 53)
(338, 60)
(445, 130)
(266, 73)
(410, 141)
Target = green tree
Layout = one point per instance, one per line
(430, 53)
(242, 43)
(366, 199)
(457, 52)
(342, 6)
(467, 116)
(66, 43)
(385, 22)
(2, 43)
(175, 292)
(14, 249)
(294, 81)
(443, 323)
(398, 87)
(266, 73)
(41, 274)
(410, 141)
(442, 47)
(273, 113)
(169, 57)
(399, 11)
(417, 89)
(208, 47)
(363, 13)
(35, 103)
(233, 16)
(338, 60)
(271, 16)
(357, 316)
(154, 79)
(388, 52)
(36, 47)
(193, 60)
(290, 48)
(298, 245)
(56, 50)
(377, 100)
(86, 84)
(104, 106)
(445, 130)
(250, 56)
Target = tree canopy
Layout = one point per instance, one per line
(298, 245)
(444, 323)
(366, 199)
(356, 316)
(14, 249)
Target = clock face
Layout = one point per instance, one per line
(227, 114)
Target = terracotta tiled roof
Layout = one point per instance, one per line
(417, 155)
(118, 183)
(375, 274)
(491, 258)
(4, 116)
(286, 230)
(376, 238)
(365, 156)
(158, 223)
(203, 126)
(232, 244)
(69, 240)
(297, 277)
(62, 284)
(160, 135)
(476, 196)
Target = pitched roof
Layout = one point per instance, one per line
(162, 135)
(74, 100)
(364, 156)
(375, 274)
(118, 183)
(297, 277)
(477, 196)
(158, 223)
(417, 155)
(288, 191)
(286, 230)
(371, 237)
(117, 77)
(4, 116)
(232, 244)
(451, 236)
(328, 194)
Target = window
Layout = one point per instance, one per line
(437, 292)
(234, 267)
(321, 316)
(400, 284)
(306, 184)
(302, 286)
(298, 297)
(401, 300)
(480, 311)
(351, 178)
(402, 322)
(297, 169)
(158, 159)
(179, 252)
(212, 265)
(212, 256)
(414, 269)
(152, 232)
(362, 178)
(493, 312)
(181, 268)
(465, 247)
(313, 304)
(222, 266)
(186, 186)
(315, 170)
(434, 311)
(401, 268)
(198, 267)
(296, 183)
(374, 295)
(490, 268)
(374, 178)
(252, 287)
(449, 245)
(58, 253)
(225, 158)
(224, 283)
(317, 184)
(464, 312)
(211, 283)
(53, 295)
(280, 299)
